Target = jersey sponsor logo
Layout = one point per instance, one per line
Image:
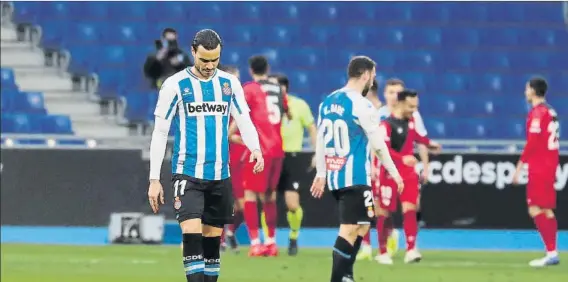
(227, 89)
(500, 174)
(207, 108)
(334, 163)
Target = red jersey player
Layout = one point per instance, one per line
(541, 154)
(267, 104)
(401, 134)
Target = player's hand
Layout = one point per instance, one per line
(256, 155)
(409, 160)
(399, 184)
(435, 147)
(318, 187)
(155, 195)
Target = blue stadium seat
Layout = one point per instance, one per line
(56, 124)
(415, 60)
(541, 12)
(282, 12)
(111, 83)
(449, 82)
(7, 102)
(438, 105)
(457, 60)
(137, 105)
(360, 12)
(429, 12)
(88, 11)
(466, 12)
(7, 78)
(393, 12)
(19, 123)
(175, 11)
(281, 35)
(439, 127)
(507, 129)
(490, 60)
(501, 12)
(302, 58)
(29, 102)
(26, 12)
(498, 37)
(459, 37)
(129, 11)
(560, 104)
(555, 61)
(87, 33)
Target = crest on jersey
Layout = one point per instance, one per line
(227, 89)
(411, 125)
(370, 212)
(177, 203)
(186, 91)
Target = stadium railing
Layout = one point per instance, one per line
(32, 141)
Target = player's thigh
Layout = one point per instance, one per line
(274, 172)
(411, 191)
(541, 193)
(189, 199)
(256, 182)
(386, 194)
(285, 180)
(218, 204)
(355, 205)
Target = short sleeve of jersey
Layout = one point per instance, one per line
(240, 105)
(383, 113)
(419, 124)
(168, 100)
(306, 117)
(366, 115)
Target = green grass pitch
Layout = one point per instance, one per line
(41, 263)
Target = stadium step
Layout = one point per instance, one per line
(30, 81)
(8, 33)
(90, 129)
(22, 56)
(72, 107)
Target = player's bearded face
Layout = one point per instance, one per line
(529, 93)
(410, 105)
(206, 61)
(369, 83)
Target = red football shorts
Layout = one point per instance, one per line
(540, 192)
(262, 181)
(387, 196)
(238, 154)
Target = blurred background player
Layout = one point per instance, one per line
(292, 139)
(268, 104)
(401, 134)
(347, 128)
(541, 154)
(237, 153)
(394, 86)
(201, 183)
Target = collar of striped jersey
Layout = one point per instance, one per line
(188, 70)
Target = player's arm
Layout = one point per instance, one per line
(285, 106)
(534, 130)
(166, 109)
(369, 121)
(240, 112)
(321, 169)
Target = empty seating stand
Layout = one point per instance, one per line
(469, 60)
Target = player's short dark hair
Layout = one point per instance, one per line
(282, 80)
(374, 87)
(207, 38)
(406, 93)
(229, 68)
(539, 85)
(394, 81)
(168, 30)
(258, 64)
(359, 65)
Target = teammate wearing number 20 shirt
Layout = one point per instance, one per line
(348, 127)
(542, 156)
(267, 105)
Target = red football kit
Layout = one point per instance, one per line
(400, 137)
(267, 105)
(541, 153)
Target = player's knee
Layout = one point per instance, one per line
(406, 207)
(549, 213)
(212, 231)
(348, 231)
(534, 211)
(191, 226)
(363, 229)
(382, 212)
(250, 196)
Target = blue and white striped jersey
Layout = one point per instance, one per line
(344, 117)
(199, 111)
(384, 112)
